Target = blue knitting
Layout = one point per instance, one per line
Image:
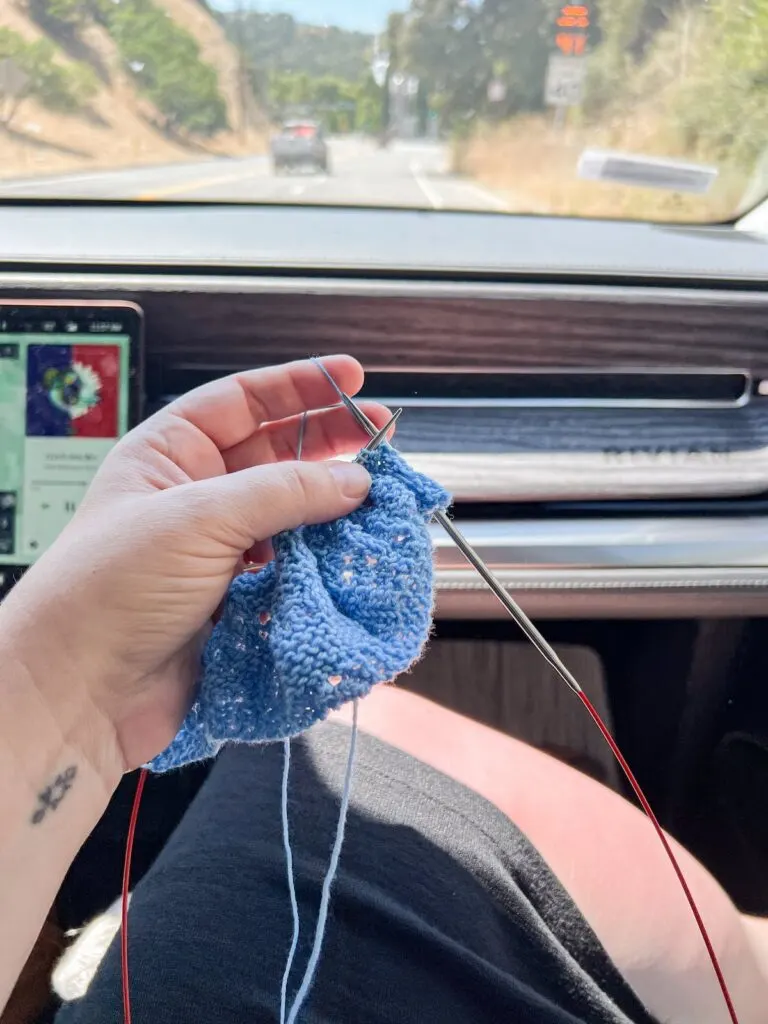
(343, 606)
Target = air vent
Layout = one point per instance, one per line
(566, 388)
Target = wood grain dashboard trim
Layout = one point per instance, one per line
(216, 324)
(239, 321)
(222, 323)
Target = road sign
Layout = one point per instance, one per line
(379, 68)
(497, 91)
(572, 25)
(565, 81)
(573, 16)
(13, 80)
(572, 44)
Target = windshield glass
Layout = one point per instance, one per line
(645, 109)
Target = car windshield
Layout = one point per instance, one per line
(643, 109)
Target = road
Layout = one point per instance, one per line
(409, 174)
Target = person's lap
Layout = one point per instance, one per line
(442, 911)
(434, 889)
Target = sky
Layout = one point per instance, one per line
(363, 15)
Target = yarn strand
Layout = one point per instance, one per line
(325, 898)
(291, 880)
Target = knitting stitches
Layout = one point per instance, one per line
(343, 606)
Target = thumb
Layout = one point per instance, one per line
(258, 503)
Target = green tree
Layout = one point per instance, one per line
(630, 30)
(334, 101)
(308, 70)
(721, 103)
(58, 13)
(277, 42)
(63, 87)
(166, 64)
(368, 113)
(459, 48)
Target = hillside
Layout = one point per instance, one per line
(148, 81)
(303, 69)
(278, 43)
(369, 17)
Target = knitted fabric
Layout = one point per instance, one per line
(343, 606)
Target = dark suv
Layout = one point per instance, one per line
(300, 144)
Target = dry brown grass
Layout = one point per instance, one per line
(119, 129)
(533, 165)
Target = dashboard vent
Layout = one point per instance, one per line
(561, 388)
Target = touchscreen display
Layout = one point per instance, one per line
(64, 401)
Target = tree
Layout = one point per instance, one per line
(341, 105)
(458, 48)
(721, 105)
(63, 87)
(58, 13)
(277, 42)
(165, 62)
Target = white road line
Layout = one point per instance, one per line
(486, 196)
(64, 179)
(433, 196)
(110, 172)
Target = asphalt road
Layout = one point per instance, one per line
(409, 174)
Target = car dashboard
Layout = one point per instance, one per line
(593, 394)
(601, 419)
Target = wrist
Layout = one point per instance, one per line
(57, 774)
(46, 711)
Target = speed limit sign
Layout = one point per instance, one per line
(565, 81)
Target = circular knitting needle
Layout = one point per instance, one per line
(379, 436)
(551, 657)
(300, 441)
(545, 649)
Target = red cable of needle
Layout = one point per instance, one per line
(667, 848)
(126, 891)
(548, 652)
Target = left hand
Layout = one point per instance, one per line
(109, 623)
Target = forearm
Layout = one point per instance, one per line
(54, 785)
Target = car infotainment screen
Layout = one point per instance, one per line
(68, 391)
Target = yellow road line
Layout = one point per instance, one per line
(192, 186)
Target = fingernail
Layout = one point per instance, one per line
(353, 479)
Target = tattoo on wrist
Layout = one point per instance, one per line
(50, 798)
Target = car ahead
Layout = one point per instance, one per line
(300, 144)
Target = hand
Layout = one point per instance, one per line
(110, 621)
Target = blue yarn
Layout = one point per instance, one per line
(291, 882)
(333, 865)
(343, 606)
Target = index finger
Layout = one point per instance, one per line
(229, 410)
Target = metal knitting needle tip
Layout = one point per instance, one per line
(380, 436)
(356, 411)
(545, 649)
(300, 442)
